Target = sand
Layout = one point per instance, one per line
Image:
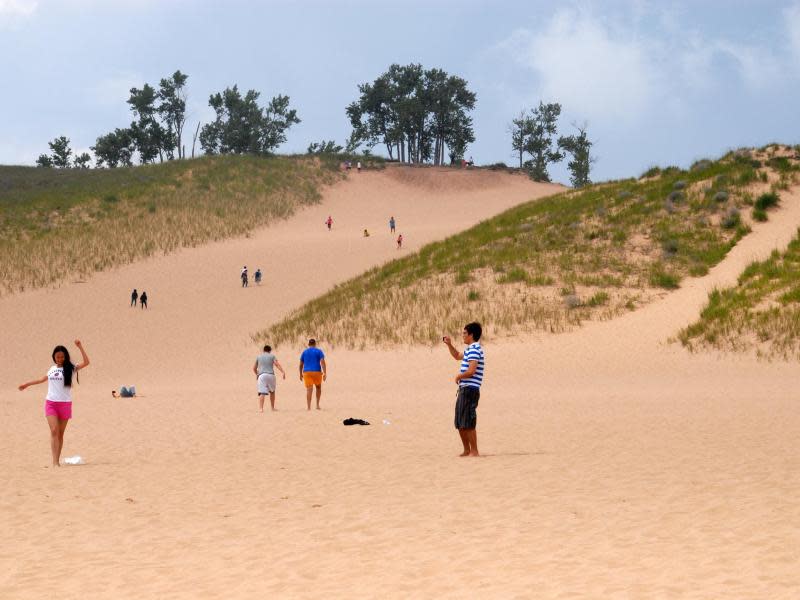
(616, 464)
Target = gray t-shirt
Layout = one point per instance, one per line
(265, 362)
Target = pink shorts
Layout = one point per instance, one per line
(61, 410)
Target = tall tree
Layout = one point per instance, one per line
(520, 129)
(115, 149)
(541, 139)
(242, 126)
(172, 110)
(61, 152)
(578, 146)
(148, 134)
(450, 99)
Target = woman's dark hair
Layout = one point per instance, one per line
(69, 368)
(267, 348)
(474, 329)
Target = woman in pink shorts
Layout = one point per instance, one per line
(58, 402)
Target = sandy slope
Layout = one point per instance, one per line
(616, 465)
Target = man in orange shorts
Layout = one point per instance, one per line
(313, 370)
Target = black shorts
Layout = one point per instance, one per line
(466, 407)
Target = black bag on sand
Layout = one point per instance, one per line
(352, 421)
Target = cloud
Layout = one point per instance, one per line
(14, 11)
(626, 66)
(585, 65)
(758, 67)
(17, 8)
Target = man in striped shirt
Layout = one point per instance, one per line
(469, 380)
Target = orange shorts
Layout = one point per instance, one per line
(312, 378)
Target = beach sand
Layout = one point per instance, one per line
(615, 464)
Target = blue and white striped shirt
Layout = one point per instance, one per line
(472, 352)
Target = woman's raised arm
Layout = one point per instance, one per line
(84, 357)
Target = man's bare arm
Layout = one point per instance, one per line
(473, 366)
(453, 352)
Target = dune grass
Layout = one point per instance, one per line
(548, 264)
(761, 313)
(67, 224)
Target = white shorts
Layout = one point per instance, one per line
(266, 383)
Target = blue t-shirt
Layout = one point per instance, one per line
(310, 359)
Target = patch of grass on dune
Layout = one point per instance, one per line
(610, 245)
(761, 312)
(57, 224)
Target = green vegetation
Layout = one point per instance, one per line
(417, 114)
(60, 224)
(606, 247)
(761, 312)
(534, 133)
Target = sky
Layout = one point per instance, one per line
(655, 83)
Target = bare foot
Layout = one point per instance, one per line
(474, 453)
(318, 408)
(464, 453)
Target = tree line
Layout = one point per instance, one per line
(419, 115)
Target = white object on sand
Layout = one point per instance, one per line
(387, 422)
(73, 460)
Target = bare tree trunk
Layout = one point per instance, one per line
(179, 135)
(194, 140)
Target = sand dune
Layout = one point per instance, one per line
(615, 464)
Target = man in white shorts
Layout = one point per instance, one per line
(264, 368)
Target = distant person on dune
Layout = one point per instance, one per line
(244, 276)
(366, 233)
(134, 297)
(313, 370)
(143, 300)
(264, 368)
(399, 241)
(58, 402)
(257, 277)
(392, 223)
(358, 166)
(329, 222)
(469, 380)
